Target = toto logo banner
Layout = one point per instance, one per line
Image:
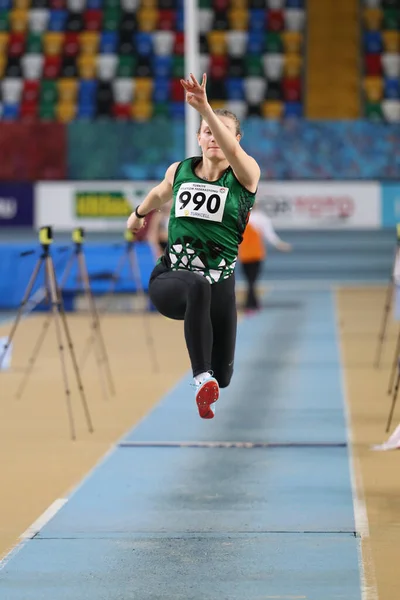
(16, 205)
(323, 205)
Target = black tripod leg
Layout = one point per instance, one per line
(32, 359)
(146, 323)
(381, 337)
(394, 400)
(54, 309)
(95, 324)
(21, 307)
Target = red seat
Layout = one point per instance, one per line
(221, 5)
(166, 20)
(16, 43)
(276, 20)
(179, 44)
(291, 87)
(51, 67)
(177, 91)
(57, 4)
(28, 111)
(30, 92)
(218, 67)
(121, 111)
(93, 19)
(373, 64)
(71, 43)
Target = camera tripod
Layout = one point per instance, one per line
(130, 257)
(54, 298)
(101, 353)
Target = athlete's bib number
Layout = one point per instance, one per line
(201, 201)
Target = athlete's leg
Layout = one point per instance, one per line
(184, 295)
(224, 322)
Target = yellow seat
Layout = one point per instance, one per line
(292, 41)
(238, 19)
(217, 104)
(24, 4)
(373, 87)
(148, 4)
(89, 42)
(147, 19)
(143, 89)
(4, 37)
(391, 41)
(142, 110)
(86, 64)
(18, 20)
(3, 62)
(67, 89)
(217, 43)
(53, 43)
(241, 4)
(272, 109)
(292, 65)
(373, 18)
(65, 111)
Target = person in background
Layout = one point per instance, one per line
(252, 252)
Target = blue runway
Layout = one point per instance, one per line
(252, 505)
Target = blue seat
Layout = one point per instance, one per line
(85, 111)
(373, 42)
(108, 42)
(5, 4)
(391, 88)
(256, 42)
(179, 25)
(294, 3)
(162, 66)
(256, 20)
(10, 112)
(94, 4)
(177, 110)
(293, 109)
(161, 90)
(87, 91)
(143, 43)
(235, 88)
(57, 20)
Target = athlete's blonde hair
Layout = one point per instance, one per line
(223, 112)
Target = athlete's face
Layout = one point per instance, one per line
(207, 141)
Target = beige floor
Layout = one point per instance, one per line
(39, 462)
(360, 313)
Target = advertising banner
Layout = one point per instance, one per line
(322, 205)
(16, 205)
(390, 204)
(96, 206)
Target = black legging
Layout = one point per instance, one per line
(209, 313)
(251, 271)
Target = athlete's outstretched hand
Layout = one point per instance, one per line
(195, 92)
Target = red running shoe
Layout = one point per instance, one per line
(207, 393)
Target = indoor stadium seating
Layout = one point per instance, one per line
(88, 59)
(381, 51)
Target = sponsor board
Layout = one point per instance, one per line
(95, 206)
(322, 205)
(16, 205)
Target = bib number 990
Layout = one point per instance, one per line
(212, 203)
(201, 201)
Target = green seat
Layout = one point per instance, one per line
(48, 92)
(273, 42)
(34, 43)
(111, 19)
(47, 111)
(253, 66)
(4, 20)
(391, 19)
(178, 66)
(126, 65)
(205, 3)
(161, 109)
(373, 111)
(111, 4)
